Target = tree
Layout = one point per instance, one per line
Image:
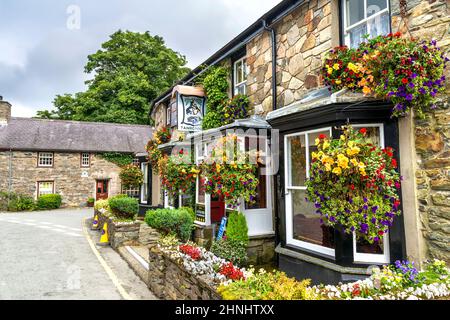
(131, 69)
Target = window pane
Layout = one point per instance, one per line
(356, 35)
(362, 246)
(238, 72)
(241, 89)
(45, 188)
(306, 222)
(355, 11)
(297, 164)
(312, 141)
(374, 6)
(260, 201)
(379, 25)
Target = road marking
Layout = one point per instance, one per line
(105, 266)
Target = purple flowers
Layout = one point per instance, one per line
(364, 227)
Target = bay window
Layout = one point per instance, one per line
(303, 226)
(364, 17)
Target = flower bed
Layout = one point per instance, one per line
(401, 281)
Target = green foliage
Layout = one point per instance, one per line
(231, 250)
(130, 70)
(90, 200)
(211, 120)
(190, 211)
(10, 201)
(131, 176)
(171, 221)
(124, 207)
(49, 201)
(267, 286)
(237, 229)
(215, 84)
(102, 204)
(120, 159)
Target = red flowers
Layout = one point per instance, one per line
(363, 130)
(404, 81)
(394, 163)
(322, 136)
(191, 251)
(231, 272)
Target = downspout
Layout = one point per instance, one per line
(274, 63)
(9, 176)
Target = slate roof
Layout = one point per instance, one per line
(60, 135)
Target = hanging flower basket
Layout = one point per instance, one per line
(178, 173)
(408, 72)
(354, 183)
(131, 176)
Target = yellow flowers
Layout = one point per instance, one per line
(354, 162)
(327, 159)
(353, 67)
(336, 66)
(317, 141)
(325, 145)
(218, 167)
(342, 161)
(353, 151)
(366, 90)
(337, 171)
(338, 81)
(329, 70)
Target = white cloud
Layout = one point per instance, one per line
(41, 57)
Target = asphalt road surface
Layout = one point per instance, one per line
(48, 255)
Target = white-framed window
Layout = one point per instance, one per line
(144, 186)
(85, 159)
(45, 159)
(240, 73)
(168, 114)
(364, 252)
(45, 187)
(361, 17)
(303, 226)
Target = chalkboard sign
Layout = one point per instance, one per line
(223, 225)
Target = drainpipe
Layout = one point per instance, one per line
(9, 175)
(274, 63)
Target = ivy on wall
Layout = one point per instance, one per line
(120, 159)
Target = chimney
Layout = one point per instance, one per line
(5, 112)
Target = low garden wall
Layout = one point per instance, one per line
(169, 280)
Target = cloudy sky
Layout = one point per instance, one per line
(44, 49)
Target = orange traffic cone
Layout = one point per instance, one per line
(104, 241)
(95, 223)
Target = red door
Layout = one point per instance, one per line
(102, 189)
(217, 209)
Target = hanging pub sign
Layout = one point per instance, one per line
(190, 102)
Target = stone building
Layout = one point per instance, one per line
(39, 156)
(277, 62)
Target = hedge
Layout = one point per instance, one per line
(171, 221)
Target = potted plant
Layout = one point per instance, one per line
(90, 202)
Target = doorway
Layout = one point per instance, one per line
(101, 190)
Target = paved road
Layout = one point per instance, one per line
(46, 255)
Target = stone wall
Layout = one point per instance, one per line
(429, 19)
(123, 233)
(66, 174)
(169, 280)
(261, 250)
(303, 38)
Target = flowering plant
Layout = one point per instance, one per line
(231, 272)
(409, 72)
(178, 173)
(235, 108)
(162, 135)
(354, 183)
(229, 173)
(154, 154)
(401, 281)
(191, 251)
(131, 176)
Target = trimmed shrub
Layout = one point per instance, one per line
(171, 221)
(21, 203)
(49, 201)
(237, 227)
(190, 211)
(102, 204)
(124, 207)
(231, 250)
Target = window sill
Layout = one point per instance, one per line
(320, 262)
